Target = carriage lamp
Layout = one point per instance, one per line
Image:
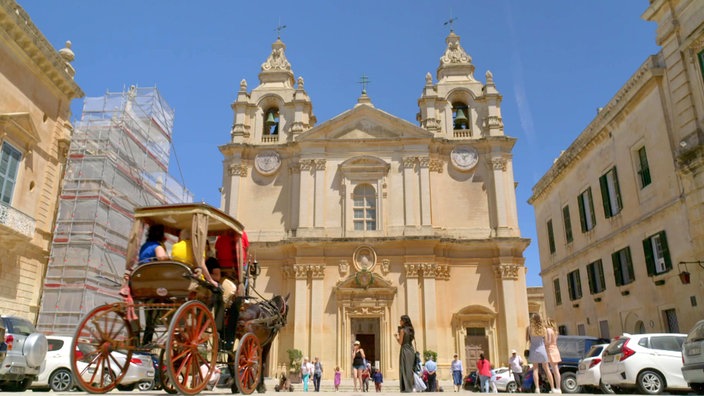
(685, 276)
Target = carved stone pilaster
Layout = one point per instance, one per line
(294, 167)
(238, 170)
(307, 165)
(506, 271)
(499, 163)
(317, 271)
(436, 165)
(409, 162)
(385, 264)
(413, 270)
(300, 271)
(287, 271)
(424, 162)
(343, 267)
(319, 164)
(442, 271)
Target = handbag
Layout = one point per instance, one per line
(418, 383)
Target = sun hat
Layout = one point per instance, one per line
(513, 351)
(357, 343)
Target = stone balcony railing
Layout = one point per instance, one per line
(16, 221)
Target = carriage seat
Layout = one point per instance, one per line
(166, 281)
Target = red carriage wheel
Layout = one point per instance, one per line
(192, 342)
(101, 349)
(248, 359)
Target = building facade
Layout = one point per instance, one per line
(619, 214)
(36, 89)
(366, 217)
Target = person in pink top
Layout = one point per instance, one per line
(484, 372)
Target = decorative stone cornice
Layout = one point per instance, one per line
(300, 271)
(307, 165)
(317, 271)
(499, 163)
(596, 131)
(424, 162)
(19, 26)
(238, 170)
(413, 270)
(319, 164)
(409, 162)
(367, 310)
(506, 271)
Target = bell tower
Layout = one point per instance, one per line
(275, 111)
(459, 106)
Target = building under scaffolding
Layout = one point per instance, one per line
(118, 160)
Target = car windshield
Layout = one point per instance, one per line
(595, 351)
(697, 333)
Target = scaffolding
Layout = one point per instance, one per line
(118, 159)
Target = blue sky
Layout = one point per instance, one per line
(554, 61)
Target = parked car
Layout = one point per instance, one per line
(140, 372)
(3, 344)
(693, 358)
(572, 350)
(504, 380)
(651, 363)
(26, 349)
(589, 373)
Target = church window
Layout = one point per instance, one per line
(271, 122)
(364, 208)
(460, 116)
(9, 166)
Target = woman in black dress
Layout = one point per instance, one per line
(407, 357)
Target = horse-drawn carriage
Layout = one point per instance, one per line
(170, 310)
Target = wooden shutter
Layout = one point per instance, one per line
(618, 275)
(649, 256)
(605, 201)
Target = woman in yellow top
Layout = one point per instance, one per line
(183, 249)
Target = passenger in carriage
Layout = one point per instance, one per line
(153, 248)
(226, 252)
(183, 249)
(212, 263)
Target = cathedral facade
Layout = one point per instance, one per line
(366, 217)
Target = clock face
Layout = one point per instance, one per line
(464, 158)
(267, 162)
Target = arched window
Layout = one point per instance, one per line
(364, 207)
(271, 122)
(460, 116)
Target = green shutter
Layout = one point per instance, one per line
(568, 223)
(591, 207)
(551, 237)
(665, 250)
(578, 284)
(649, 256)
(601, 275)
(582, 213)
(629, 265)
(618, 276)
(617, 192)
(590, 278)
(605, 196)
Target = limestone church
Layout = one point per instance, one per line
(366, 217)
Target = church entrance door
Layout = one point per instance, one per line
(367, 331)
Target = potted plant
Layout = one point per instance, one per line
(294, 365)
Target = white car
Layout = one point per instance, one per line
(504, 380)
(693, 358)
(589, 370)
(651, 363)
(55, 373)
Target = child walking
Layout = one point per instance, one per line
(338, 378)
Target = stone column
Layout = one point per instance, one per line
(319, 204)
(236, 172)
(424, 168)
(295, 204)
(307, 197)
(499, 168)
(430, 304)
(507, 281)
(300, 319)
(317, 327)
(410, 192)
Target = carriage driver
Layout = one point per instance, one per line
(231, 252)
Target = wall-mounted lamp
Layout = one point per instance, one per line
(685, 276)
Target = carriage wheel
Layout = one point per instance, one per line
(248, 359)
(101, 349)
(164, 378)
(192, 341)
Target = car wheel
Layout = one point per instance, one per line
(650, 382)
(145, 386)
(512, 387)
(60, 380)
(569, 383)
(606, 388)
(125, 388)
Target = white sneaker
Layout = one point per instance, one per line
(556, 390)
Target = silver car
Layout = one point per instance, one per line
(26, 349)
(693, 358)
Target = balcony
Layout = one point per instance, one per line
(14, 223)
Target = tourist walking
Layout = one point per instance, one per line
(553, 354)
(317, 373)
(407, 356)
(484, 373)
(537, 354)
(337, 379)
(358, 365)
(457, 370)
(515, 364)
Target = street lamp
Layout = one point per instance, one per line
(685, 276)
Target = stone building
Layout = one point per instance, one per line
(619, 214)
(366, 217)
(36, 89)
